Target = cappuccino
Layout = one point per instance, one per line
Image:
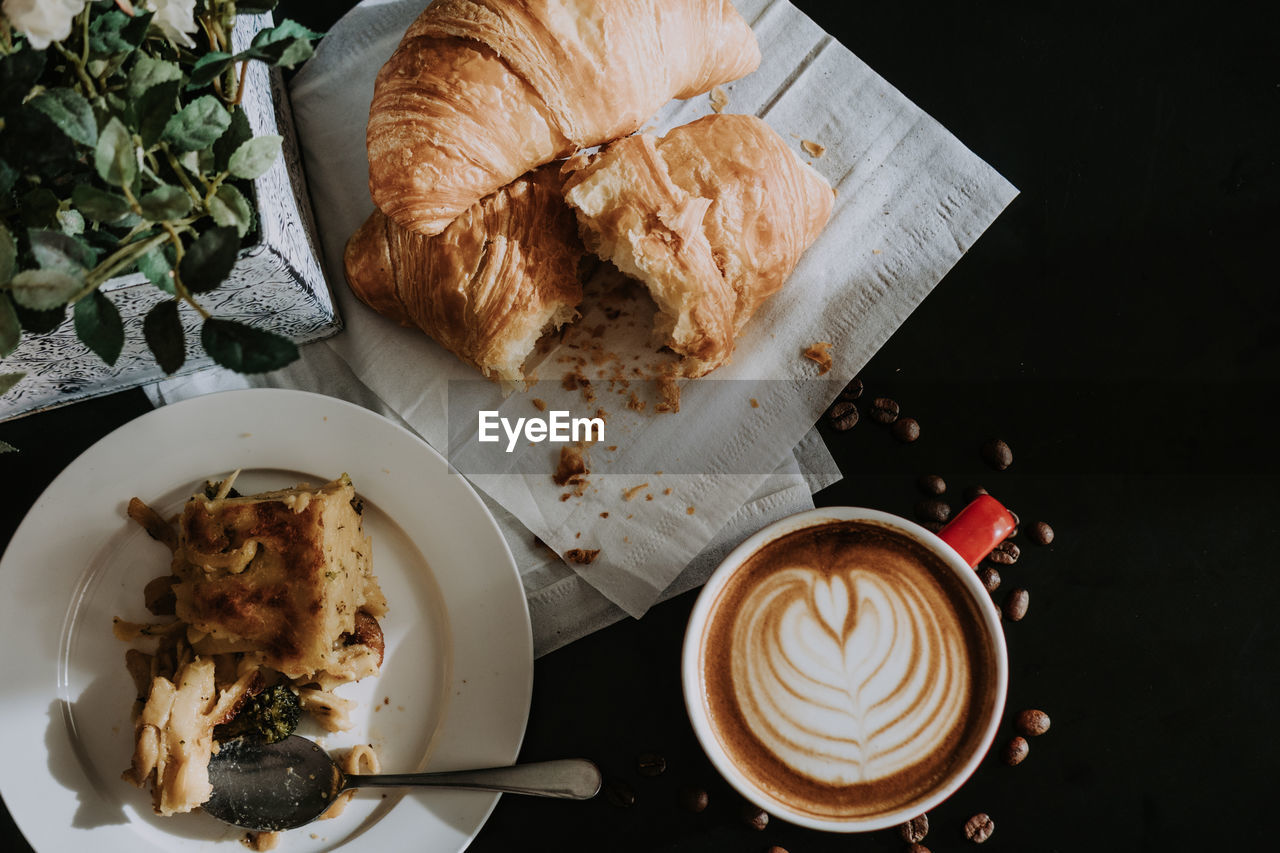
(846, 671)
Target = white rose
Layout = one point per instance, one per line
(176, 19)
(43, 21)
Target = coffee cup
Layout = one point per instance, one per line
(845, 669)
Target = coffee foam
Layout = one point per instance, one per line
(845, 670)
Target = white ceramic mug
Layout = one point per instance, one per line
(804, 681)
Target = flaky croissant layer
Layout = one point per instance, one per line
(481, 91)
(713, 218)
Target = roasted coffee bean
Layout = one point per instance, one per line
(1032, 722)
(853, 390)
(693, 799)
(1041, 533)
(650, 764)
(972, 493)
(1015, 606)
(990, 578)
(917, 848)
(979, 828)
(1006, 553)
(997, 454)
(931, 484)
(933, 509)
(843, 416)
(1015, 750)
(906, 430)
(884, 410)
(754, 816)
(619, 793)
(915, 829)
(776, 849)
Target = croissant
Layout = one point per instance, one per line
(481, 91)
(712, 217)
(489, 285)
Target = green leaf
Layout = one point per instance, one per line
(153, 109)
(116, 32)
(157, 266)
(43, 290)
(99, 205)
(8, 254)
(209, 259)
(98, 324)
(39, 322)
(162, 331)
(238, 134)
(148, 72)
(54, 250)
(197, 125)
(10, 327)
(207, 69)
(115, 157)
(284, 45)
(255, 156)
(7, 381)
(166, 202)
(153, 87)
(245, 349)
(70, 112)
(39, 208)
(71, 221)
(229, 207)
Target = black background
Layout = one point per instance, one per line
(1118, 325)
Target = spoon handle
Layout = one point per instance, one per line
(566, 779)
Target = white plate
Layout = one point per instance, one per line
(455, 686)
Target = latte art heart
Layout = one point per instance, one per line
(847, 671)
(847, 677)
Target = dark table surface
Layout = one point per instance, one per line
(1119, 326)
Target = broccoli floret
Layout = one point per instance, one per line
(270, 716)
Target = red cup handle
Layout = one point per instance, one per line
(978, 529)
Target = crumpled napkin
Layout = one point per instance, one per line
(910, 201)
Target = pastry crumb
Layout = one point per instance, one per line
(629, 494)
(572, 470)
(668, 390)
(635, 403)
(689, 511)
(582, 556)
(813, 149)
(261, 840)
(604, 515)
(820, 354)
(755, 404)
(539, 404)
(719, 99)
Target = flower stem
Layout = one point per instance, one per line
(179, 288)
(181, 173)
(90, 90)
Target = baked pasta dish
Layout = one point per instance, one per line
(274, 605)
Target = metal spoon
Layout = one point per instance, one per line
(291, 782)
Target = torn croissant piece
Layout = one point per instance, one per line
(712, 217)
(490, 285)
(481, 91)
